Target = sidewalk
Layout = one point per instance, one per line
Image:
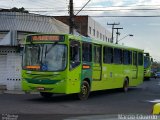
(3, 90)
(16, 92)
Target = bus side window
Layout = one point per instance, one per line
(127, 57)
(107, 55)
(117, 56)
(87, 52)
(74, 54)
(97, 54)
(130, 57)
(140, 59)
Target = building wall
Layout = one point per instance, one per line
(95, 30)
(88, 27)
(10, 67)
(80, 23)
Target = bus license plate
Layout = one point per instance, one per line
(40, 88)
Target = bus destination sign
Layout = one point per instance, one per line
(47, 38)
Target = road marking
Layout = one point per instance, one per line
(154, 101)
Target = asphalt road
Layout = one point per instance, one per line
(136, 101)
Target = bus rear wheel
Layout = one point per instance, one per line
(46, 94)
(85, 90)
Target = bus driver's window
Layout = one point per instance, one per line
(74, 54)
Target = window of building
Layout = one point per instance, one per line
(100, 35)
(94, 32)
(97, 34)
(109, 40)
(90, 30)
(106, 39)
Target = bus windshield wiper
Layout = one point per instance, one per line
(46, 51)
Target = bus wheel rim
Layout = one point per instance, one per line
(84, 90)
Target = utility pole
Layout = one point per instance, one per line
(117, 34)
(71, 17)
(113, 24)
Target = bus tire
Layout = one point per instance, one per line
(46, 94)
(125, 85)
(85, 91)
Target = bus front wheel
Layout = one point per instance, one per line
(46, 94)
(85, 90)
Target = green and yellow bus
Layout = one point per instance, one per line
(147, 66)
(67, 64)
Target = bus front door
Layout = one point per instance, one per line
(74, 76)
(97, 68)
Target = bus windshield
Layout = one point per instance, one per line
(146, 62)
(45, 57)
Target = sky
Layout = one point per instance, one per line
(131, 14)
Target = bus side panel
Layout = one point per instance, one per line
(140, 75)
(74, 80)
(86, 73)
(127, 73)
(118, 77)
(139, 79)
(112, 77)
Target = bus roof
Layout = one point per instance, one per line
(88, 39)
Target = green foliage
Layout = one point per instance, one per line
(14, 9)
(156, 66)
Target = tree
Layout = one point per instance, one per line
(14, 9)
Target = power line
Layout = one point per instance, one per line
(59, 9)
(83, 7)
(42, 3)
(76, 7)
(92, 10)
(95, 6)
(129, 16)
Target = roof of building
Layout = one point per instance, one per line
(31, 23)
